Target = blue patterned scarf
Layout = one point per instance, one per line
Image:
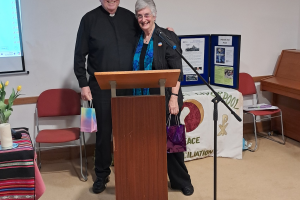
(147, 62)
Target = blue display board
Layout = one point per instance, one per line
(195, 48)
(225, 60)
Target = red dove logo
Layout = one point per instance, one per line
(195, 116)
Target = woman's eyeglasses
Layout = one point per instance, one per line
(147, 15)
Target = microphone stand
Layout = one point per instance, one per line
(216, 100)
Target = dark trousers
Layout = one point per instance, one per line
(177, 171)
(102, 105)
(103, 138)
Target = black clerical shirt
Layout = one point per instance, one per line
(109, 42)
(142, 56)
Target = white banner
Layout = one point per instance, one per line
(197, 115)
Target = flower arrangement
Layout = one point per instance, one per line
(6, 109)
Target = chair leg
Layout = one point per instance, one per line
(39, 160)
(255, 134)
(282, 133)
(84, 177)
(85, 153)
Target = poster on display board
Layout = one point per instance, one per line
(195, 48)
(225, 60)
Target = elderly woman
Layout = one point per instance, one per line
(153, 54)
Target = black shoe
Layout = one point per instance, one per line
(100, 185)
(188, 190)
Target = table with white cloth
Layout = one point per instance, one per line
(197, 115)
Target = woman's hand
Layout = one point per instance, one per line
(170, 29)
(173, 105)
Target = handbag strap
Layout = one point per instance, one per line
(89, 105)
(169, 120)
(177, 120)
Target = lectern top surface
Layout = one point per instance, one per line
(137, 79)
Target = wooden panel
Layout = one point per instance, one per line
(137, 79)
(33, 100)
(278, 64)
(25, 100)
(259, 78)
(282, 86)
(263, 126)
(140, 158)
(291, 115)
(289, 65)
(67, 153)
(28, 100)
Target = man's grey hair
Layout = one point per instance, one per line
(141, 4)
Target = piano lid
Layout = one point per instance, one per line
(286, 80)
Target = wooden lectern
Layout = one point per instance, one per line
(139, 133)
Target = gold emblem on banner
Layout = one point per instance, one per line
(223, 126)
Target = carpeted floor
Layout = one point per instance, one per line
(270, 173)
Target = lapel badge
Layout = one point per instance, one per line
(160, 44)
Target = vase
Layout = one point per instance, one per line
(5, 136)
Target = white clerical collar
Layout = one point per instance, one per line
(112, 15)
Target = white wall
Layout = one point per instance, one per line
(50, 27)
(266, 26)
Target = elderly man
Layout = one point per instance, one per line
(107, 35)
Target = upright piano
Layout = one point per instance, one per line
(285, 86)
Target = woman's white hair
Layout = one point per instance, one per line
(141, 4)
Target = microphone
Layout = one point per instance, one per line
(165, 38)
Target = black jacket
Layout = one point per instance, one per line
(167, 58)
(108, 41)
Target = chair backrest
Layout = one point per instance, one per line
(246, 84)
(58, 102)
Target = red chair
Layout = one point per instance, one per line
(54, 103)
(247, 87)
